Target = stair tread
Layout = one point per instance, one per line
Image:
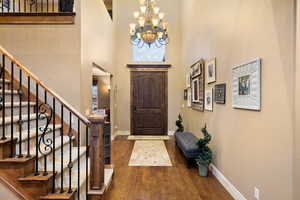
(5, 80)
(39, 177)
(32, 132)
(24, 117)
(9, 91)
(66, 158)
(60, 196)
(17, 103)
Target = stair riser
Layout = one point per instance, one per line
(32, 142)
(8, 97)
(74, 174)
(57, 158)
(16, 110)
(24, 126)
(6, 85)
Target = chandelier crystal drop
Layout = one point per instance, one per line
(150, 28)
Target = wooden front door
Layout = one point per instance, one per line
(149, 108)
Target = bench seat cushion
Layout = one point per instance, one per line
(187, 142)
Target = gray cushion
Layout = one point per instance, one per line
(187, 142)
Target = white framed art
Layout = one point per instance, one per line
(188, 80)
(208, 99)
(195, 90)
(210, 70)
(246, 85)
(189, 98)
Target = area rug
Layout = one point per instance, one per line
(148, 137)
(149, 153)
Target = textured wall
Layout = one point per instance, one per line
(123, 16)
(250, 148)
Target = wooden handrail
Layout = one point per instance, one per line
(34, 77)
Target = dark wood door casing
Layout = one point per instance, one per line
(149, 102)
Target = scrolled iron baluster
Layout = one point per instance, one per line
(44, 109)
(45, 112)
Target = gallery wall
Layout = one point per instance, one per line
(251, 148)
(123, 16)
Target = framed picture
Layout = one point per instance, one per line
(185, 94)
(188, 80)
(189, 98)
(209, 99)
(196, 70)
(211, 71)
(220, 93)
(246, 85)
(198, 85)
(195, 90)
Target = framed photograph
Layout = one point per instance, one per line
(195, 90)
(211, 71)
(198, 85)
(209, 99)
(188, 80)
(196, 70)
(189, 98)
(246, 85)
(220, 93)
(185, 94)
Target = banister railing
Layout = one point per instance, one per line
(36, 6)
(51, 115)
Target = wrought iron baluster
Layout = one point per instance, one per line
(87, 161)
(14, 6)
(12, 111)
(47, 6)
(42, 6)
(53, 152)
(45, 145)
(20, 122)
(78, 154)
(25, 6)
(52, 5)
(62, 150)
(19, 5)
(3, 95)
(70, 165)
(28, 116)
(37, 129)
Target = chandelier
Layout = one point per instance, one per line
(150, 28)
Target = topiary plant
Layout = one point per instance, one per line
(205, 154)
(180, 127)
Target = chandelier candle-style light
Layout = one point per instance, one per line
(150, 28)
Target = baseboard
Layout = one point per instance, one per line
(122, 133)
(226, 183)
(171, 133)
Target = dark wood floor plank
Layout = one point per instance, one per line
(159, 183)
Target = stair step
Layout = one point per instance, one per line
(6, 83)
(60, 196)
(8, 94)
(39, 178)
(15, 119)
(15, 108)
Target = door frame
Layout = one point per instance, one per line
(149, 68)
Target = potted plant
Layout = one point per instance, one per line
(205, 154)
(179, 121)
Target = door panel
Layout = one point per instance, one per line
(148, 103)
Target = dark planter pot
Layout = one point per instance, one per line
(203, 170)
(66, 5)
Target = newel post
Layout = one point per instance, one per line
(96, 151)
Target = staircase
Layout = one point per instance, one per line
(44, 141)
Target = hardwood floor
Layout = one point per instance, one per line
(159, 183)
